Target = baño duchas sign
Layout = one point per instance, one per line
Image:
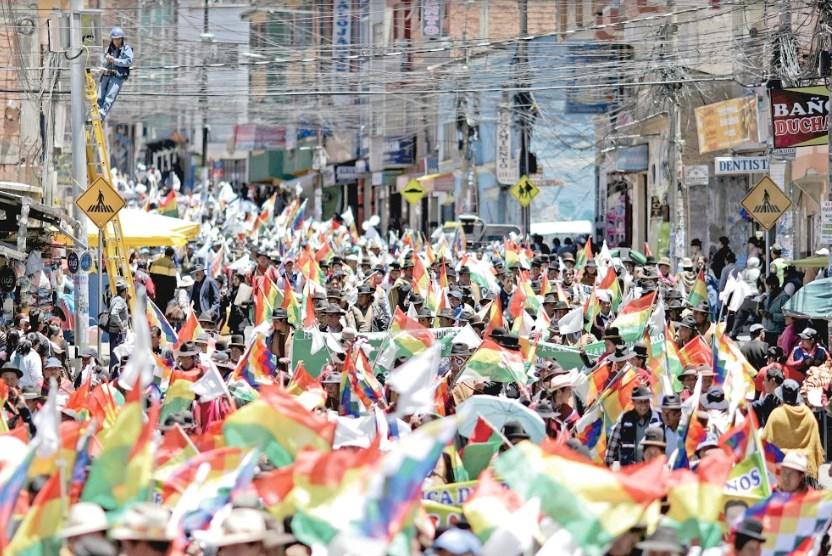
(799, 117)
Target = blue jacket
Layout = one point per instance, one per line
(123, 59)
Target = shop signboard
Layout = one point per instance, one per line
(732, 165)
(632, 159)
(799, 117)
(726, 124)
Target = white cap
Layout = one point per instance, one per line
(84, 518)
(796, 460)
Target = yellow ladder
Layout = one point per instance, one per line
(116, 255)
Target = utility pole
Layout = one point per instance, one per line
(523, 101)
(676, 203)
(204, 101)
(318, 158)
(80, 279)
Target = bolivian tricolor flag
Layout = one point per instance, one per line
(168, 206)
(699, 292)
(279, 425)
(121, 473)
(38, 532)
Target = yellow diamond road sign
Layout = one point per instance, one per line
(766, 202)
(100, 202)
(524, 191)
(414, 191)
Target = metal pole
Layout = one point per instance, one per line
(79, 168)
(100, 287)
(204, 102)
(678, 219)
(525, 108)
(318, 192)
(317, 186)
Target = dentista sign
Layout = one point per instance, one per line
(799, 117)
(728, 165)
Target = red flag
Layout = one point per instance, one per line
(495, 319)
(188, 331)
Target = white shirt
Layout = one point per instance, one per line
(31, 366)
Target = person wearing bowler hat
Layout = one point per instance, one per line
(748, 538)
(279, 341)
(628, 431)
(236, 347)
(638, 355)
(702, 318)
(652, 446)
(671, 413)
(612, 341)
(514, 432)
(619, 358)
(447, 318)
(686, 331)
(425, 317)
(364, 311)
(205, 293)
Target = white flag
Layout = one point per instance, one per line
(741, 291)
(415, 381)
(47, 421)
(211, 386)
(412, 312)
(468, 336)
(516, 534)
(573, 321)
(730, 287)
(141, 363)
(657, 319)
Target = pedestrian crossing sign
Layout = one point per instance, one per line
(414, 191)
(766, 202)
(100, 202)
(524, 191)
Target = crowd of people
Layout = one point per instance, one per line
(281, 385)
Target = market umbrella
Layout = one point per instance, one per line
(814, 300)
(497, 411)
(146, 229)
(818, 261)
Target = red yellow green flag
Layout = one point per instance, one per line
(121, 473)
(37, 534)
(279, 425)
(699, 292)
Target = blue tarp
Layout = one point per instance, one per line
(814, 300)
